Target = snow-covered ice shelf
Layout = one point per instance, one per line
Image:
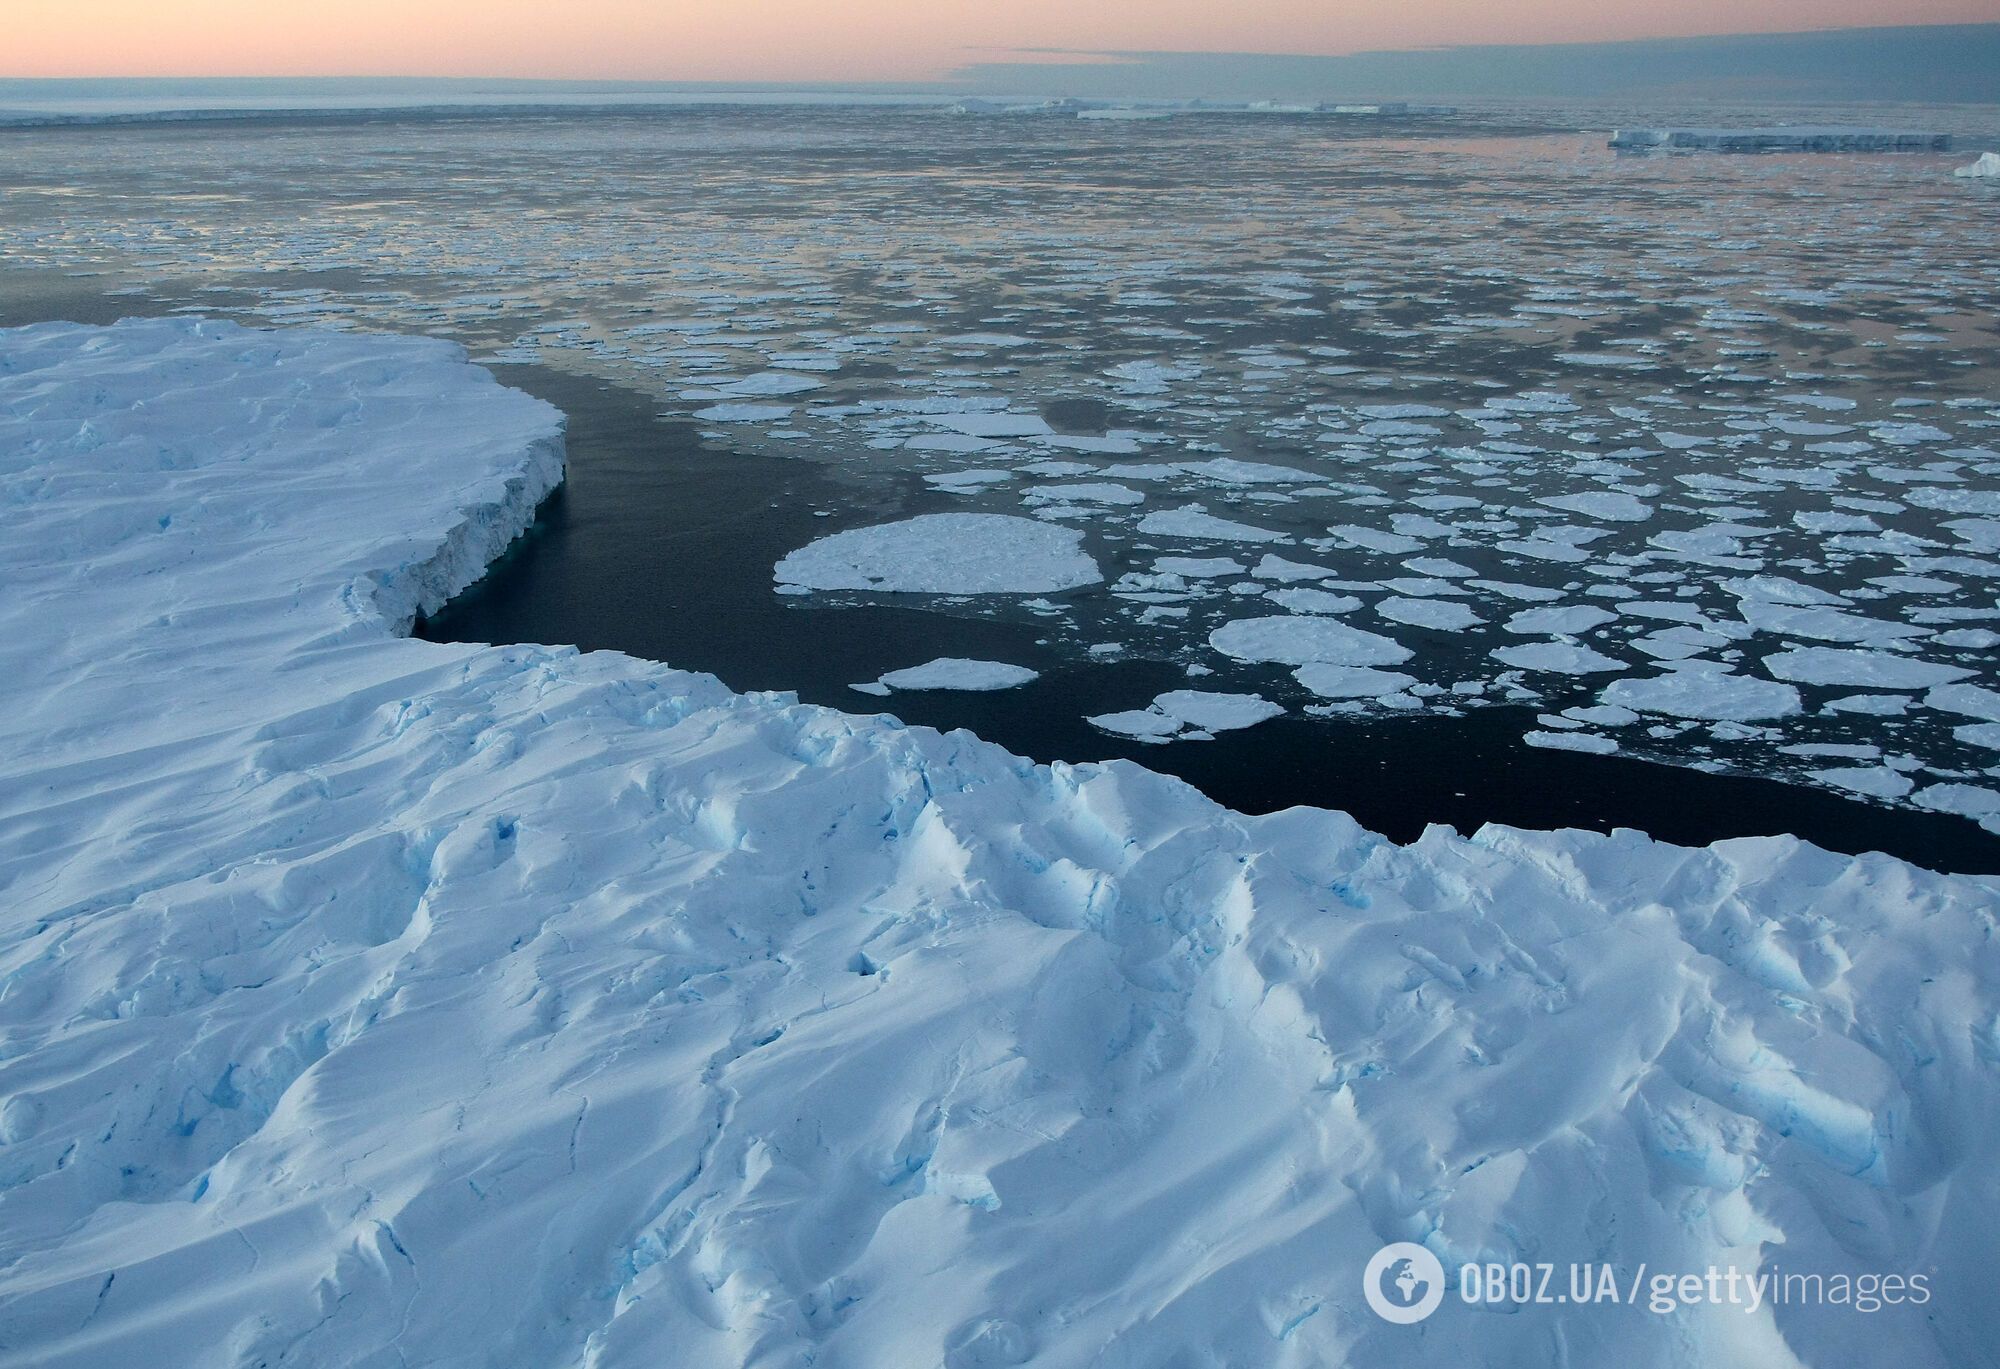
(367, 1001)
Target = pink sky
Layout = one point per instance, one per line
(824, 40)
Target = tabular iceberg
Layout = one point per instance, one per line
(367, 1001)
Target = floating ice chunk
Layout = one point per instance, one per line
(1140, 724)
(1083, 492)
(1278, 568)
(763, 385)
(1820, 665)
(1352, 682)
(1195, 522)
(1214, 712)
(1565, 621)
(950, 442)
(1077, 442)
(1375, 539)
(1966, 800)
(992, 424)
(742, 413)
(1562, 658)
(1974, 701)
(962, 482)
(1602, 715)
(1908, 435)
(1437, 566)
(1443, 615)
(1876, 781)
(1396, 411)
(1825, 624)
(1509, 589)
(1605, 504)
(945, 553)
(988, 340)
(1988, 165)
(1813, 521)
(1709, 695)
(1979, 734)
(1226, 470)
(1587, 742)
(956, 672)
(1307, 600)
(1150, 377)
(1303, 641)
(1197, 567)
(1614, 360)
(1188, 715)
(1875, 705)
(1956, 500)
(1543, 549)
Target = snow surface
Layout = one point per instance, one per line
(367, 1001)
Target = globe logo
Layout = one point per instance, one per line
(1403, 1283)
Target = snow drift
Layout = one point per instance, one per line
(365, 1001)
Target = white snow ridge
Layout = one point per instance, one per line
(366, 1001)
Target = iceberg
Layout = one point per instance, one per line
(1988, 165)
(366, 1000)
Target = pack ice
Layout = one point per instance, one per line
(368, 1002)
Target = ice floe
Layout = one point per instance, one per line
(1189, 715)
(1706, 694)
(945, 553)
(956, 672)
(1304, 641)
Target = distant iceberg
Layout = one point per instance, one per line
(1987, 166)
(1804, 138)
